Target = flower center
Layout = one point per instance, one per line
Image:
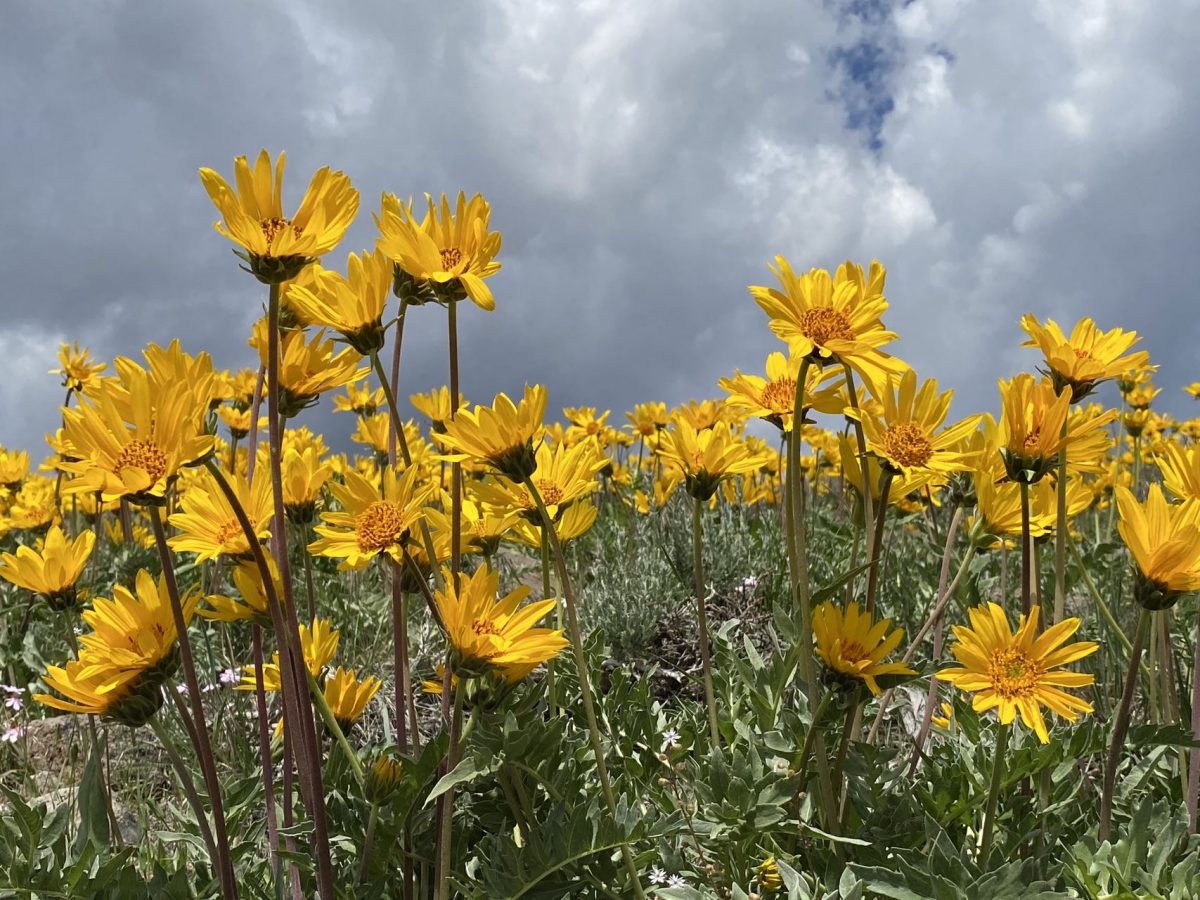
(229, 531)
(273, 226)
(853, 651)
(1031, 440)
(451, 257)
(551, 493)
(380, 525)
(823, 324)
(484, 626)
(144, 455)
(1013, 673)
(907, 444)
(779, 395)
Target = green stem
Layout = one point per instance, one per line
(331, 722)
(368, 842)
(1121, 726)
(710, 699)
(185, 780)
(585, 687)
(989, 815)
(445, 831)
(1026, 554)
(1060, 540)
(551, 680)
(885, 486)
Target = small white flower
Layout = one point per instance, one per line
(670, 739)
(658, 876)
(750, 582)
(229, 676)
(676, 881)
(181, 689)
(15, 699)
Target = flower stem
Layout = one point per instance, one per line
(1060, 540)
(1121, 726)
(885, 486)
(208, 766)
(322, 705)
(368, 842)
(585, 687)
(185, 780)
(1026, 554)
(445, 830)
(989, 815)
(551, 681)
(287, 630)
(710, 700)
(264, 748)
(1193, 782)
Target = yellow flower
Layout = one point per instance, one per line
(34, 506)
(906, 437)
(126, 656)
(773, 398)
(1032, 426)
(833, 319)
(1193, 390)
(703, 415)
(435, 405)
(648, 418)
(139, 456)
(238, 421)
(1164, 541)
(307, 369)
(999, 508)
(485, 526)
(207, 524)
(1086, 358)
(278, 247)
(562, 476)
(347, 696)
(371, 521)
(252, 604)
(79, 372)
(352, 306)
(854, 645)
(489, 632)
(575, 521)
(304, 476)
(454, 251)
(52, 570)
(384, 778)
(1180, 467)
(318, 644)
(1013, 673)
(501, 435)
(373, 431)
(706, 457)
(1140, 398)
(360, 399)
(14, 466)
(904, 484)
(768, 875)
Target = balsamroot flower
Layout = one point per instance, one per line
(706, 457)
(275, 246)
(488, 632)
(1164, 540)
(347, 696)
(852, 645)
(1032, 426)
(78, 370)
(372, 520)
(1086, 358)
(452, 251)
(52, 570)
(208, 525)
(353, 306)
(1014, 672)
(833, 320)
(774, 398)
(501, 436)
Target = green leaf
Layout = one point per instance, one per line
(93, 805)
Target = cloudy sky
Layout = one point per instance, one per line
(645, 162)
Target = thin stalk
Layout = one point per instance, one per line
(1121, 726)
(710, 700)
(1026, 554)
(331, 722)
(885, 485)
(185, 781)
(585, 687)
(404, 705)
(456, 467)
(223, 861)
(798, 558)
(264, 749)
(551, 680)
(308, 764)
(1193, 782)
(307, 537)
(989, 815)
(252, 437)
(445, 832)
(368, 842)
(1060, 539)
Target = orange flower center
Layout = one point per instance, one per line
(229, 531)
(779, 395)
(907, 444)
(1032, 439)
(1013, 673)
(380, 525)
(551, 493)
(484, 626)
(853, 651)
(451, 257)
(144, 455)
(273, 226)
(823, 324)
